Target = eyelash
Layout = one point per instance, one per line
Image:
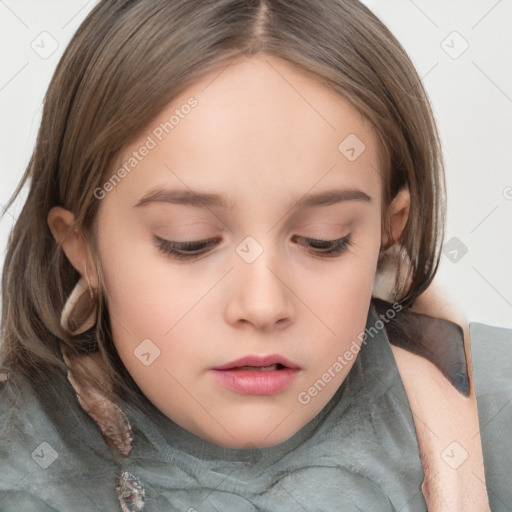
(174, 249)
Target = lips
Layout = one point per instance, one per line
(257, 375)
(259, 363)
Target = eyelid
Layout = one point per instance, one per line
(191, 244)
(339, 245)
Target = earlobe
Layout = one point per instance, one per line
(397, 215)
(62, 225)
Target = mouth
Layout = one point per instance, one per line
(257, 375)
(269, 368)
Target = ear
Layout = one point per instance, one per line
(397, 215)
(62, 226)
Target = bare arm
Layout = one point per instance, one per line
(446, 421)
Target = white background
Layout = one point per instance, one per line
(471, 95)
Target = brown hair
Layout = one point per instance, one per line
(126, 62)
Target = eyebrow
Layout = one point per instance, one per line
(201, 199)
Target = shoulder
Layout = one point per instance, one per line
(491, 352)
(491, 345)
(18, 447)
(52, 456)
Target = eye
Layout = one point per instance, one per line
(185, 250)
(196, 248)
(327, 248)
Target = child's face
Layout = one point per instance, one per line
(262, 135)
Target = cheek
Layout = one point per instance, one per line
(340, 297)
(146, 294)
(347, 282)
(151, 312)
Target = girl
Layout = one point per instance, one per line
(218, 293)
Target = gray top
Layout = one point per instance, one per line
(360, 453)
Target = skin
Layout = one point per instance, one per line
(262, 134)
(444, 416)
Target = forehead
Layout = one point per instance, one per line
(257, 124)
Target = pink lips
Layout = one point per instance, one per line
(257, 382)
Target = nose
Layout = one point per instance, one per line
(261, 293)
